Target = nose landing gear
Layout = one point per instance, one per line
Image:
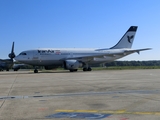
(35, 71)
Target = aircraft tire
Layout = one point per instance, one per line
(35, 71)
(73, 70)
(89, 69)
(84, 69)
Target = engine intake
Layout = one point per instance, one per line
(72, 64)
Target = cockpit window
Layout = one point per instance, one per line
(22, 54)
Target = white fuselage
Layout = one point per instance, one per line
(50, 56)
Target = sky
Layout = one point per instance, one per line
(79, 24)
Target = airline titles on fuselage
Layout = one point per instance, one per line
(48, 52)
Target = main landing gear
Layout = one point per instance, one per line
(87, 69)
(73, 70)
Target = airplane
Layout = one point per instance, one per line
(73, 58)
(6, 64)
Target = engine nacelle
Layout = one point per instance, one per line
(16, 67)
(72, 64)
(50, 67)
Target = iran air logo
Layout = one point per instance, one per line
(129, 38)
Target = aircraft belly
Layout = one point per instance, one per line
(50, 62)
(43, 62)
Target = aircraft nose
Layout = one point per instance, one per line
(16, 58)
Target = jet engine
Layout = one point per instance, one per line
(72, 64)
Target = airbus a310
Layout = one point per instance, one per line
(73, 58)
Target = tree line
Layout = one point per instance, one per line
(134, 63)
(129, 63)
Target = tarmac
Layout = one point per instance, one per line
(95, 95)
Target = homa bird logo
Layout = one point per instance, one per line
(129, 38)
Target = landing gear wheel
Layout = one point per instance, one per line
(84, 69)
(35, 71)
(89, 69)
(73, 70)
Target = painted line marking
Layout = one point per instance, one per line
(79, 115)
(87, 111)
(110, 112)
(64, 110)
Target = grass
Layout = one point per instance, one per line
(125, 67)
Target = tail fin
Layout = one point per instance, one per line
(127, 40)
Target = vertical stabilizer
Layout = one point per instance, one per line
(127, 40)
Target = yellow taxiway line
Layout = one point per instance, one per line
(110, 112)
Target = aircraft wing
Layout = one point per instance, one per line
(125, 52)
(137, 50)
(5, 60)
(91, 57)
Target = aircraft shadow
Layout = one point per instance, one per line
(32, 72)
